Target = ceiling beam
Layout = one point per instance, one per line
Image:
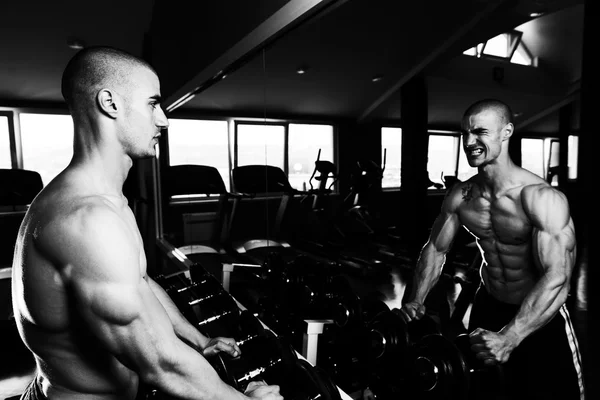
(569, 98)
(288, 16)
(445, 45)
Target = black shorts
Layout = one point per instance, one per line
(547, 364)
(33, 391)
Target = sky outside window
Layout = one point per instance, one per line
(47, 143)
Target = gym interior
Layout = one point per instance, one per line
(311, 146)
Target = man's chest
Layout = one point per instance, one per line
(501, 218)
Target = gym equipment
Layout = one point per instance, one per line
(352, 311)
(445, 369)
(392, 335)
(269, 358)
(204, 303)
(311, 383)
(248, 328)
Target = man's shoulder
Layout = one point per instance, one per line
(462, 192)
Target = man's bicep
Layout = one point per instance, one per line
(127, 319)
(553, 229)
(102, 273)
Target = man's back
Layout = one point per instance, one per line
(70, 358)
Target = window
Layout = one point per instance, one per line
(391, 143)
(5, 158)
(260, 144)
(532, 156)
(538, 155)
(200, 142)
(465, 171)
(47, 143)
(304, 143)
(507, 46)
(573, 149)
(442, 157)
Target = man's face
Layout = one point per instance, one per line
(144, 117)
(482, 137)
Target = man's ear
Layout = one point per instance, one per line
(508, 131)
(107, 102)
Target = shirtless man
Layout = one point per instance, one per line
(97, 325)
(526, 238)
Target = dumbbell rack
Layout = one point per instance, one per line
(178, 281)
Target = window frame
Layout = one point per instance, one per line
(14, 139)
(397, 126)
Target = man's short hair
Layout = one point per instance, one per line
(500, 107)
(94, 68)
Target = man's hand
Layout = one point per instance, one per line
(260, 390)
(221, 344)
(492, 347)
(413, 310)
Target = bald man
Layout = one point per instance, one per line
(526, 238)
(96, 324)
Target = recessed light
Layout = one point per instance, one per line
(75, 44)
(536, 14)
(377, 78)
(302, 70)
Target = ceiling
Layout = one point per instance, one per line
(343, 44)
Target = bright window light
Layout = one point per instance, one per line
(200, 142)
(304, 143)
(465, 171)
(47, 143)
(260, 144)
(573, 149)
(442, 157)
(521, 56)
(497, 46)
(532, 156)
(391, 142)
(5, 161)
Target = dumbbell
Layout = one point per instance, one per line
(269, 358)
(391, 333)
(352, 311)
(311, 383)
(445, 369)
(248, 328)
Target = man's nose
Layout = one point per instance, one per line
(469, 139)
(162, 121)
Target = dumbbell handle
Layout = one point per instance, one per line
(248, 376)
(214, 318)
(246, 340)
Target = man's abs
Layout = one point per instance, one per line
(507, 278)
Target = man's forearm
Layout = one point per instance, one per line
(188, 375)
(427, 273)
(538, 308)
(181, 325)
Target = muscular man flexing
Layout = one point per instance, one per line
(97, 325)
(526, 237)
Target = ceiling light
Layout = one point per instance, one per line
(302, 70)
(75, 44)
(377, 78)
(536, 14)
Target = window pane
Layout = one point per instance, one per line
(497, 46)
(391, 141)
(47, 143)
(260, 145)
(465, 171)
(442, 157)
(532, 156)
(573, 150)
(5, 161)
(304, 142)
(199, 142)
